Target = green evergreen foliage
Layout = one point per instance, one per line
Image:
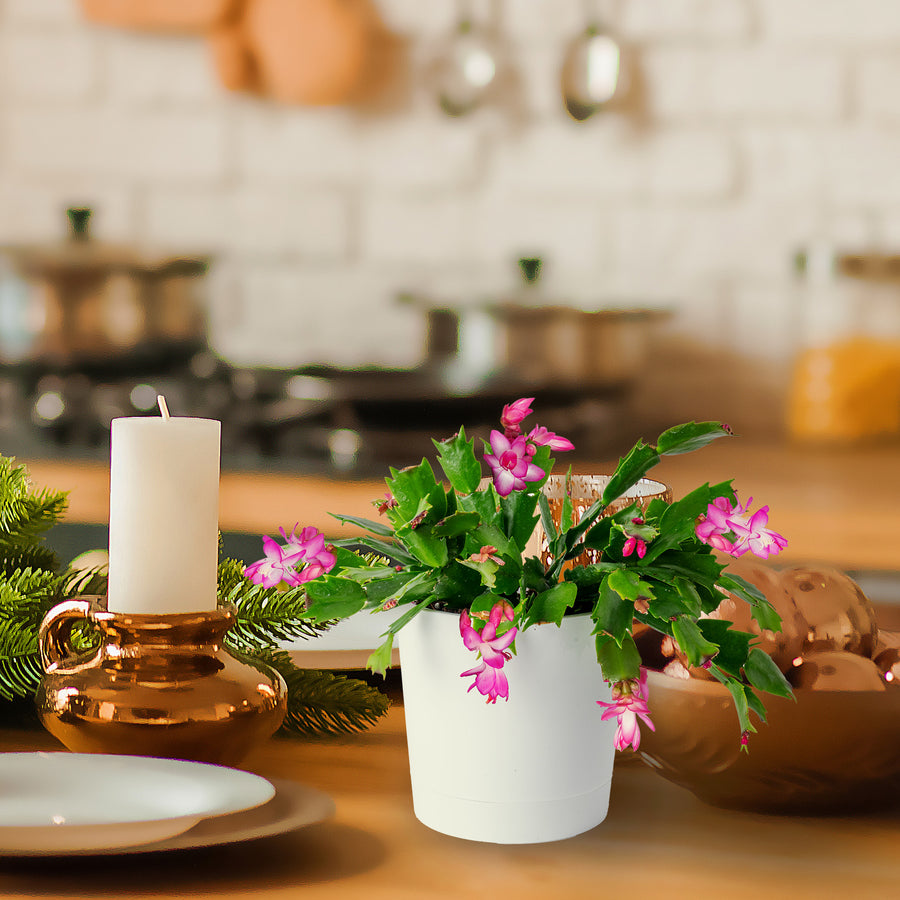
(33, 581)
(322, 702)
(265, 616)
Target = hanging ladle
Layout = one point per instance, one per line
(591, 71)
(466, 68)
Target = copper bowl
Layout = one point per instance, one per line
(828, 752)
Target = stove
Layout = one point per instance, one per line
(347, 422)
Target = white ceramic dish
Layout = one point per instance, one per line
(84, 802)
(294, 806)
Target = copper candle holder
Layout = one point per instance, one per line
(157, 685)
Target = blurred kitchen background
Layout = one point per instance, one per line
(343, 226)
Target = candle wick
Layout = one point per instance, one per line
(162, 406)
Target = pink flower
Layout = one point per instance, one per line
(629, 703)
(734, 530)
(540, 436)
(510, 463)
(489, 677)
(754, 535)
(513, 414)
(278, 565)
(633, 543)
(311, 544)
(281, 563)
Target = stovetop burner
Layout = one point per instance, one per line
(316, 420)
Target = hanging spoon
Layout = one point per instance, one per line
(591, 71)
(467, 67)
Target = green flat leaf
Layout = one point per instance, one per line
(691, 640)
(332, 597)
(628, 585)
(547, 522)
(688, 437)
(754, 703)
(456, 524)
(612, 614)
(455, 582)
(486, 570)
(631, 468)
(586, 576)
(347, 559)
(690, 597)
(551, 605)
(741, 704)
(734, 584)
(618, 663)
(416, 491)
(701, 567)
(378, 528)
(519, 516)
(379, 660)
(597, 538)
(762, 673)
(430, 550)
(392, 551)
(734, 645)
(457, 459)
(667, 602)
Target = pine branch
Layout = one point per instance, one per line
(26, 514)
(265, 616)
(35, 556)
(324, 702)
(20, 675)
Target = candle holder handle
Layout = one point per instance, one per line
(55, 637)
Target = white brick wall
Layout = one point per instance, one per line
(752, 126)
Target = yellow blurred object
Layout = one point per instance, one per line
(846, 391)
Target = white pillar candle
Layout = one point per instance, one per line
(163, 514)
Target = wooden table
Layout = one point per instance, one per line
(657, 841)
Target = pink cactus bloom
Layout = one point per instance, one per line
(633, 544)
(629, 704)
(513, 414)
(311, 544)
(489, 677)
(277, 566)
(510, 462)
(734, 530)
(755, 536)
(541, 437)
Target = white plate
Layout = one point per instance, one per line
(294, 806)
(83, 802)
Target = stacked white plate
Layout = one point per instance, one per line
(80, 803)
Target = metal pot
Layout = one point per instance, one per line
(537, 346)
(82, 302)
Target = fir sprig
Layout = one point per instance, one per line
(265, 616)
(321, 702)
(26, 514)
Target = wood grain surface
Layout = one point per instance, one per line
(657, 841)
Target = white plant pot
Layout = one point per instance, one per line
(534, 768)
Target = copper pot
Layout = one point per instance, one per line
(81, 301)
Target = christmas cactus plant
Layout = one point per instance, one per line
(465, 543)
